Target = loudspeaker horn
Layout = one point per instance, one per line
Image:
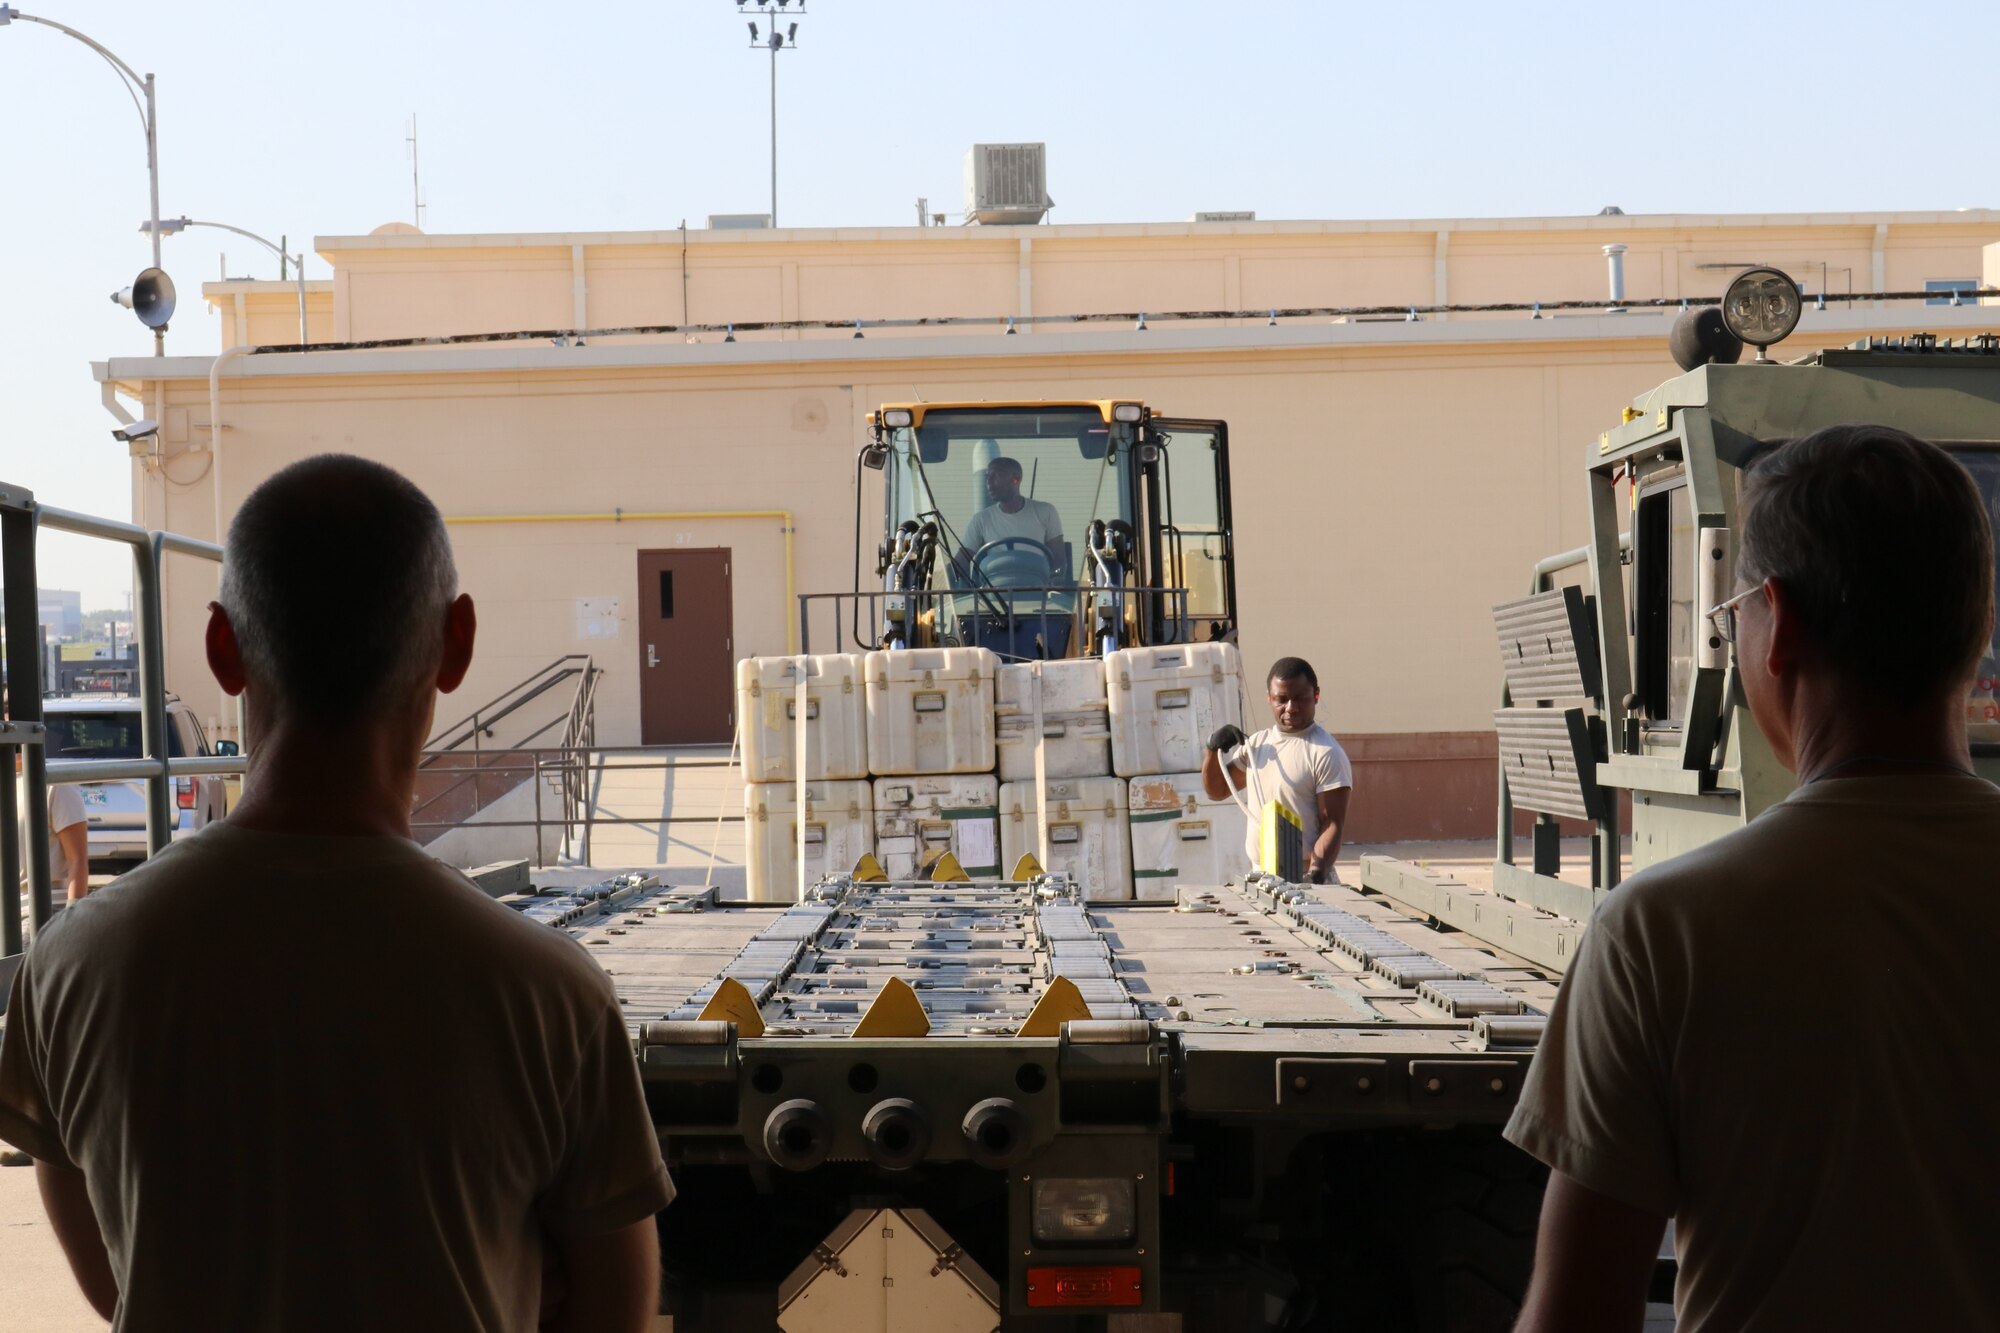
(150, 297)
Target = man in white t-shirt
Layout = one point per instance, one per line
(1782, 1040)
(69, 842)
(1012, 515)
(1296, 762)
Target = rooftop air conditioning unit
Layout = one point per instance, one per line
(1006, 183)
(738, 221)
(1246, 216)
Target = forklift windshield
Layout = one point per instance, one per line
(1013, 490)
(1050, 530)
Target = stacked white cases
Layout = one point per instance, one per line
(1087, 834)
(918, 818)
(930, 710)
(767, 697)
(1076, 722)
(1180, 836)
(840, 827)
(1167, 701)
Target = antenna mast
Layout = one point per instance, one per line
(416, 180)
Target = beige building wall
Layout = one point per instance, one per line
(1392, 480)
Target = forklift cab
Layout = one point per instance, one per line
(1052, 529)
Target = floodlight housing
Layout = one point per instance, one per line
(1761, 306)
(1126, 411)
(896, 418)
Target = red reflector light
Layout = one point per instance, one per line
(1083, 1286)
(184, 792)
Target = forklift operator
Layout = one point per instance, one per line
(1032, 523)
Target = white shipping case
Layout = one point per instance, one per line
(1088, 838)
(840, 827)
(930, 710)
(1076, 720)
(1167, 701)
(917, 818)
(767, 697)
(1180, 836)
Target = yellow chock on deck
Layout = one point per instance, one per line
(1027, 867)
(869, 871)
(732, 1003)
(1060, 1003)
(947, 870)
(897, 1012)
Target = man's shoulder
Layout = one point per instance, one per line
(65, 806)
(1694, 889)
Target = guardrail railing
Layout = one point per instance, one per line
(1019, 624)
(572, 811)
(21, 516)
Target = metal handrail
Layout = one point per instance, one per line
(964, 616)
(480, 722)
(576, 810)
(579, 724)
(21, 519)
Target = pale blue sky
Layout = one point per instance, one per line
(594, 115)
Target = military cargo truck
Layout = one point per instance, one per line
(1266, 1105)
(1619, 692)
(947, 1103)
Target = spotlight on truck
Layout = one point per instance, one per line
(1761, 306)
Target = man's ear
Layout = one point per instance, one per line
(461, 626)
(1787, 643)
(225, 657)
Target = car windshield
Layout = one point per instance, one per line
(101, 735)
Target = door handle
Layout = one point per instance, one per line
(652, 660)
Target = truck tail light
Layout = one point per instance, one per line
(184, 793)
(1095, 1285)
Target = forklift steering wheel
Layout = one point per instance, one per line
(980, 578)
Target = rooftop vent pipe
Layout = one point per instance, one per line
(1614, 254)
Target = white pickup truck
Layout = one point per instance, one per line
(108, 727)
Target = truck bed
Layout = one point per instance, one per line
(1228, 970)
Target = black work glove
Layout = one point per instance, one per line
(1315, 876)
(1227, 737)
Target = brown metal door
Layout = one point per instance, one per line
(687, 658)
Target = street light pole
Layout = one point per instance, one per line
(172, 226)
(148, 115)
(774, 127)
(777, 41)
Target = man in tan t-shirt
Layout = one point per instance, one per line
(294, 1074)
(1782, 1040)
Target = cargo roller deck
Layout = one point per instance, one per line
(1231, 976)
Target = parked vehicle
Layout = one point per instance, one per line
(109, 728)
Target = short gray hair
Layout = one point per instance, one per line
(1884, 544)
(336, 578)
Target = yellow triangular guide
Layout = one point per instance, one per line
(896, 1013)
(868, 870)
(947, 870)
(732, 1003)
(1061, 1002)
(1027, 867)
